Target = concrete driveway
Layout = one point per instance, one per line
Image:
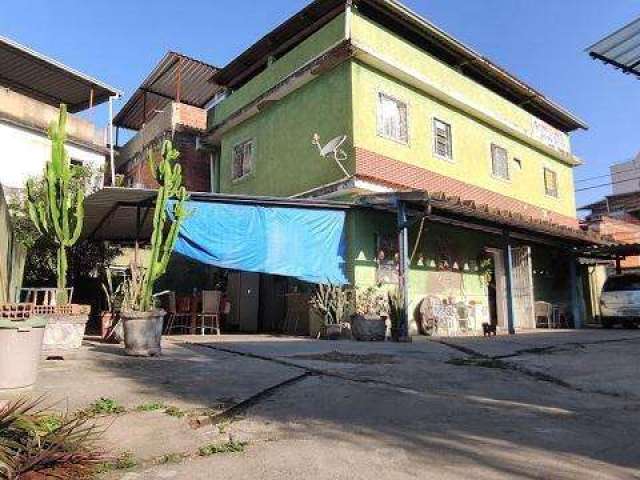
(559, 405)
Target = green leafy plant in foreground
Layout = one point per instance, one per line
(34, 442)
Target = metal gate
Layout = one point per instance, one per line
(523, 303)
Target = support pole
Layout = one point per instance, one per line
(403, 274)
(508, 268)
(618, 266)
(137, 244)
(576, 311)
(111, 152)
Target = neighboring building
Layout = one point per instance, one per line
(420, 111)
(625, 177)
(169, 104)
(33, 87)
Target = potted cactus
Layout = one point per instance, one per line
(141, 319)
(329, 302)
(56, 208)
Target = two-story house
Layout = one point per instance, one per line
(32, 88)
(411, 108)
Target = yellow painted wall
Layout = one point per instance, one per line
(472, 138)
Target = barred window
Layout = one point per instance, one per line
(499, 162)
(242, 164)
(392, 118)
(442, 142)
(550, 182)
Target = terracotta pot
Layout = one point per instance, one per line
(143, 333)
(20, 349)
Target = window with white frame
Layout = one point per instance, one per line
(550, 182)
(442, 142)
(392, 118)
(499, 162)
(243, 158)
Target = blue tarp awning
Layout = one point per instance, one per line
(305, 243)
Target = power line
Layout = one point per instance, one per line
(610, 174)
(593, 187)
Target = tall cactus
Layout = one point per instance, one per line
(59, 211)
(168, 174)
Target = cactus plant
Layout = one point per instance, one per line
(58, 213)
(168, 174)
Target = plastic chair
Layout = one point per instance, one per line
(544, 314)
(177, 319)
(210, 311)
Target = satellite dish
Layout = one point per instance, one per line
(333, 149)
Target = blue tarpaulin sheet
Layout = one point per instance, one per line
(308, 244)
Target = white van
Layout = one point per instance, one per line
(620, 301)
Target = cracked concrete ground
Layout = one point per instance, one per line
(377, 410)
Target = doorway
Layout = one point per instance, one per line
(522, 287)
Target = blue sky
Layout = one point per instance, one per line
(541, 41)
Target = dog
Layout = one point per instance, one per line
(489, 329)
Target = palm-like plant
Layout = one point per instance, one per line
(34, 442)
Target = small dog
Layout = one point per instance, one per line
(489, 329)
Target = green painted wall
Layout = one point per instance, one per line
(472, 138)
(462, 247)
(327, 37)
(285, 161)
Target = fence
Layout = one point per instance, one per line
(12, 256)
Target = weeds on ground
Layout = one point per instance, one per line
(171, 458)
(126, 461)
(229, 447)
(174, 412)
(150, 407)
(103, 407)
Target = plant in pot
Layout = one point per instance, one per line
(141, 319)
(397, 312)
(110, 326)
(369, 322)
(56, 209)
(330, 302)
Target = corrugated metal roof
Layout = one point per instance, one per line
(110, 214)
(37, 76)
(620, 49)
(161, 88)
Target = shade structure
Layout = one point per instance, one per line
(620, 49)
(308, 244)
(38, 76)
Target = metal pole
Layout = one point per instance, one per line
(111, 153)
(403, 242)
(576, 311)
(508, 268)
(137, 244)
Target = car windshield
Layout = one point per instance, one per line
(623, 283)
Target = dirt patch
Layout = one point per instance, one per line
(352, 358)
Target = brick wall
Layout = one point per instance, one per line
(377, 168)
(195, 166)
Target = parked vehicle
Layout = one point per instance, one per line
(620, 301)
